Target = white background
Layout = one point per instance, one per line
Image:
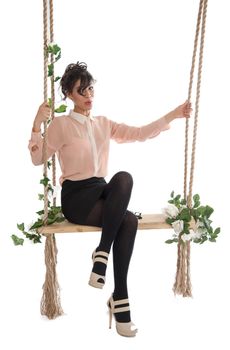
(140, 54)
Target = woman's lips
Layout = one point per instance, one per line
(88, 103)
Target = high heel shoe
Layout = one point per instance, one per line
(126, 329)
(96, 280)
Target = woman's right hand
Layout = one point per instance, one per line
(43, 114)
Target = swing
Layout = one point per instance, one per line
(50, 303)
(146, 222)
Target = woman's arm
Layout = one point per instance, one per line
(125, 133)
(53, 136)
(43, 114)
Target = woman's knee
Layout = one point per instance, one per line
(123, 180)
(130, 222)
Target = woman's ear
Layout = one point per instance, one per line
(70, 96)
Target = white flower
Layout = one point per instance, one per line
(186, 237)
(178, 226)
(192, 235)
(171, 211)
(198, 229)
(197, 235)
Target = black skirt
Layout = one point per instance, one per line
(79, 197)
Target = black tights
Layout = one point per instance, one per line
(119, 226)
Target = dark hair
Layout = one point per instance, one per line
(74, 72)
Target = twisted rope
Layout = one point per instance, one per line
(195, 46)
(52, 94)
(50, 302)
(182, 283)
(45, 96)
(200, 66)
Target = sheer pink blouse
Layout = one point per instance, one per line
(82, 143)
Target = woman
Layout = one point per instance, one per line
(81, 142)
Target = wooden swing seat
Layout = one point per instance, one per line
(148, 222)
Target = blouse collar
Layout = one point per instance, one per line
(80, 117)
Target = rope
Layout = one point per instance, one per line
(50, 302)
(200, 66)
(182, 283)
(190, 94)
(51, 22)
(45, 96)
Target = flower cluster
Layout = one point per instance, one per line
(190, 223)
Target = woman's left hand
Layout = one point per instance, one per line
(183, 111)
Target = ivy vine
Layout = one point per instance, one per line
(55, 214)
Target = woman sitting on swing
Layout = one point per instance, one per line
(81, 142)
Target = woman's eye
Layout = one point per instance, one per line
(80, 91)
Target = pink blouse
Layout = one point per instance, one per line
(82, 143)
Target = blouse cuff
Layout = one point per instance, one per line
(35, 136)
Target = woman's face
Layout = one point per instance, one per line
(83, 100)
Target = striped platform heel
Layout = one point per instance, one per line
(126, 329)
(96, 280)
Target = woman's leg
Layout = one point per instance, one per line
(122, 252)
(119, 226)
(109, 212)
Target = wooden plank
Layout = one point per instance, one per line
(148, 222)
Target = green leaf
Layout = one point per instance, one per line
(217, 231)
(61, 109)
(58, 56)
(208, 211)
(169, 221)
(36, 238)
(50, 102)
(197, 240)
(53, 49)
(44, 181)
(60, 219)
(185, 214)
(50, 69)
(207, 223)
(21, 227)
(49, 163)
(196, 197)
(200, 211)
(40, 196)
(186, 227)
(37, 224)
(177, 197)
(172, 194)
(56, 79)
(40, 212)
(203, 239)
(169, 241)
(17, 240)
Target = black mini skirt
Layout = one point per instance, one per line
(79, 197)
